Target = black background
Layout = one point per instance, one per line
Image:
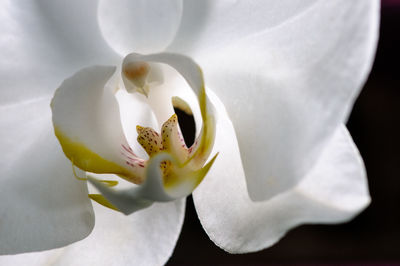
(372, 237)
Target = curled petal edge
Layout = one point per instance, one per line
(185, 179)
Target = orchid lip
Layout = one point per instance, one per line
(172, 169)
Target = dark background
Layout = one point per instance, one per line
(374, 236)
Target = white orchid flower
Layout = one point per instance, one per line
(280, 76)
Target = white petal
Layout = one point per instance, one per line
(42, 41)
(335, 190)
(144, 238)
(44, 258)
(87, 122)
(140, 26)
(42, 205)
(209, 25)
(287, 88)
(160, 97)
(134, 110)
(189, 70)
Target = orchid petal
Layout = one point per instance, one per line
(335, 190)
(42, 206)
(287, 88)
(43, 258)
(134, 110)
(143, 26)
(36, 36)
(87, 123)
(144, 238)
(211, 25)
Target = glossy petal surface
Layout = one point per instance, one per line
(43, 41)
(210, 25)
(335, 190)
(140, 26)
(87, 122)
(288, 87)
(134, 110)
(144, 238)
(42, 205)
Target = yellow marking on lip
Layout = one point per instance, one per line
(175, 178)
(172, 139)
(149, 139)
(100, 199)
(208, 135)
(89, 161)
(182, 105)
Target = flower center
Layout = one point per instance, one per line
(170, 140)
(87, 123)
